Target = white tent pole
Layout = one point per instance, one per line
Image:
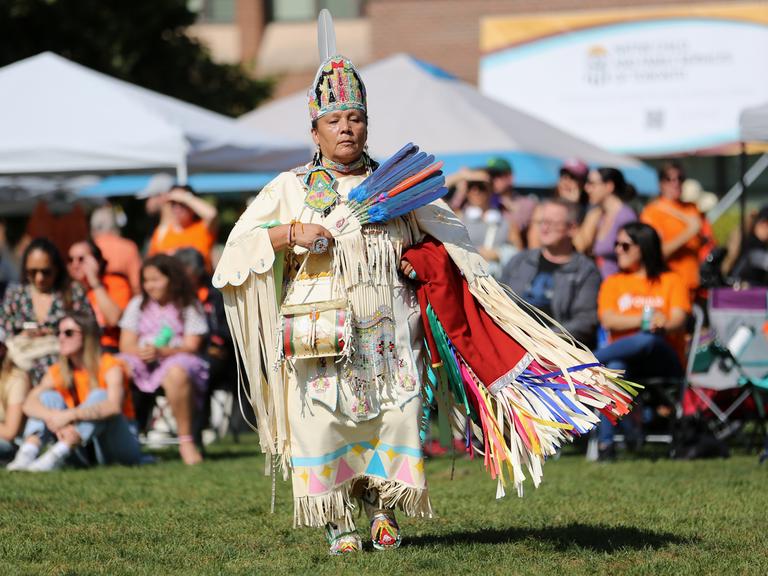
(733, 194)
(181, 171)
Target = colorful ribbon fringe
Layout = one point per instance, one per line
(532, 416)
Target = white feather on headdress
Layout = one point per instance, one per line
(326, 35)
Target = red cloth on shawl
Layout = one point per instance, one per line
(490, 352)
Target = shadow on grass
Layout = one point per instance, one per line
(595, 538)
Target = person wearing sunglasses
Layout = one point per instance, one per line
(32, 310)
(644, 309)
(108, 294)
(679, 225)
(83, 400)
(609, 195)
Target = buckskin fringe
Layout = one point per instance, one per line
(368, 263)
(251, 311)
(562, 351)
(316, 511)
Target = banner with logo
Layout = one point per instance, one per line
(648, 82)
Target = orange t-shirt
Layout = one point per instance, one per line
(197, 236)
(120, 291)
(686, 260)
(81, 386)
(122, 257)
(628, 294)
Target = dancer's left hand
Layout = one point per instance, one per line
(407, 269)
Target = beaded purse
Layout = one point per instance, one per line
(315, 317)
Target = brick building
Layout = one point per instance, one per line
(277, 38)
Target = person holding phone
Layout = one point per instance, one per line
(32, 310)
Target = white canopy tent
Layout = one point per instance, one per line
(409, 100)
(60, 117)
(753, 123)
(753, 127)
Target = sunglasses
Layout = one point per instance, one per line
(68, 333)
(78, 259)
(550, 224)
(671, 178)
(623, 246)
(33, 272)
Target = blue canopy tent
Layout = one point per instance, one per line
(205, 183)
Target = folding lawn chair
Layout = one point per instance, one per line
(665, 390)
(727, 376)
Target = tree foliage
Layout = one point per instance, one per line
(140, 41)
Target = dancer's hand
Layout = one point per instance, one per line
(407, 269)
(305, 235)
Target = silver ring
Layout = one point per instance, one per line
(412, 274)
(319, 245)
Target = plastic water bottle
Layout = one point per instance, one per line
(739, 341)
(645, 322)
(164, 337)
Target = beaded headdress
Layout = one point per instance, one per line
(337, 86)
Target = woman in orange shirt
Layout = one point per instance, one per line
(82, 399)
(678, 223)
(108, 294)
(644, 308)
(186, 221)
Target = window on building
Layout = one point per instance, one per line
(301, 10)
(214, 11)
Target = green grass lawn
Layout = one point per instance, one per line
(630, 517)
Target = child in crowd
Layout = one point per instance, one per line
(162, 331)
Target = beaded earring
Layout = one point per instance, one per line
(367, 158)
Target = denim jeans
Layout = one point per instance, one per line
(113, 438)
(7, 450)
(642, 355)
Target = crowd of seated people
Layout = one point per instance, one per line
(83, 401)
(91, 334)
(88, 342)
(635, 312)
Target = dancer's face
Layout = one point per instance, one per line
(341, 135)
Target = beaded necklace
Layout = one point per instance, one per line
(343, 168)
